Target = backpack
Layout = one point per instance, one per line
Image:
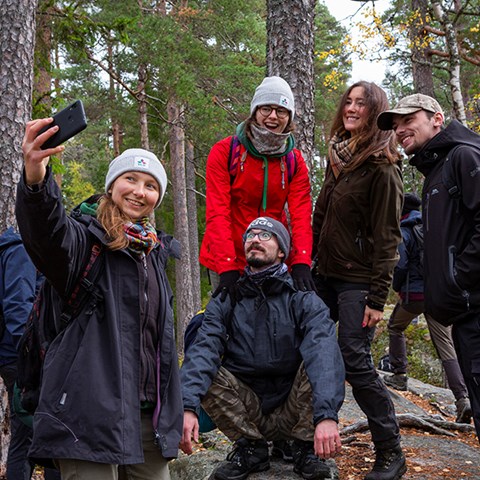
(46, 321)
(288, 161)
(417, 231)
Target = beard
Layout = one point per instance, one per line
(259, 259)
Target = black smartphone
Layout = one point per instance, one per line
(70, 121)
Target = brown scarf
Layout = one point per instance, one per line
(340, 154)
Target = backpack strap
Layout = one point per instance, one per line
(235, 157)
(84, 289)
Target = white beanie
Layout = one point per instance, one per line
(276, 91)
(137, 160)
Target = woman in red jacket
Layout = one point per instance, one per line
(259, 176)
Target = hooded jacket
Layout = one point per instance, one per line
(271, 330)
(356, 226)
(89, 406)
(451, 226)
(233, 203)
(17, 292)
(408, 273)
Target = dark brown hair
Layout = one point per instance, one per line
(370, 141)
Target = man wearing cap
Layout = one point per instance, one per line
(266, 367)
(408, 282)
(449, 158)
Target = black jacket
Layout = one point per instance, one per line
(451, 225)
(89, 405)
(272, 329)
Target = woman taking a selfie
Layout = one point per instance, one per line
(356, 231)
(110, 396)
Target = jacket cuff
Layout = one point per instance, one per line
(375, 305)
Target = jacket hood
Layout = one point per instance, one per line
(9, 237)
(412, 218)
(454, 134)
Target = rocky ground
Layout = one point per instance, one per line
(448, 454)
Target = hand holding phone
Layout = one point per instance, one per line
(70, 121)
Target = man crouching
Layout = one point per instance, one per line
(267, 368)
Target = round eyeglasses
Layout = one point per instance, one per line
(266, 110)
(262, 236)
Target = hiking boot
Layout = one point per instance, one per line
(398, 381)
(283, 449)
(464, 410)
(389, 465)
(306, 463)
(248, 456)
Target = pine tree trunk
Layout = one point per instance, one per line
(183, 269)
(193, 225)
(17, 42)
(290, 48)
(142, 107)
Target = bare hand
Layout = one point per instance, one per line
(190, 429)
(36, 159)
(327, 440)
(371, 317)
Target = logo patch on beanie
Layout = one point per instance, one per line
(284, 102)
(141, 162)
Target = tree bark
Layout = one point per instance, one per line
(193, 224)
(183, 269)
(142, 107)
(290, 49)
(17, 42)
(421, 58)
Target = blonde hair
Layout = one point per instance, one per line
(112, 220)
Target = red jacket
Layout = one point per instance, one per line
(231, 206)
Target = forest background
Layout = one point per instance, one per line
(176, 76)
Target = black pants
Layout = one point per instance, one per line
(18, 465)
(347, 306)
(466, 338)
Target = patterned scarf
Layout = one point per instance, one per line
(340, 154)
(273, 271)
(142, 237)
(267, 142)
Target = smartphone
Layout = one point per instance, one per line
(70, 121)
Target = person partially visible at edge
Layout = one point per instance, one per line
(408, 283)
(260, 186)
(268, 367)
(18, 278)
(451, 223)
(110, 397)
(356, 233)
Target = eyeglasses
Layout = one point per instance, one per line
(266, 110)
(262, 236)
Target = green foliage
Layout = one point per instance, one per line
(75, 189)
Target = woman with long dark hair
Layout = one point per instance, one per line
(356, 233)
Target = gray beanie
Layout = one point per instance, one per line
(277, 228)
(137, 160)
(276, 91)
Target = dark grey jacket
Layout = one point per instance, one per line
(272, 329)
(451, 226)
(90, 398)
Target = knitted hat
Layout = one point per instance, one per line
(137, 160)
(406, 106)
(270, 225)
(411, 201)
(273, 91)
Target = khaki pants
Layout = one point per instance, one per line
(237, 411)
(154, 468)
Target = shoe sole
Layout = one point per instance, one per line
(259, 468)
(395, 386)
(313, 476)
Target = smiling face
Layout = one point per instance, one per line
(355, 111)
(136, 194)
(414, 130)
(272, 121)
(261, 254)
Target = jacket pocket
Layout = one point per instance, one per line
(452, 273)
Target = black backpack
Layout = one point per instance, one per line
(417, 231)
(47, 319)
